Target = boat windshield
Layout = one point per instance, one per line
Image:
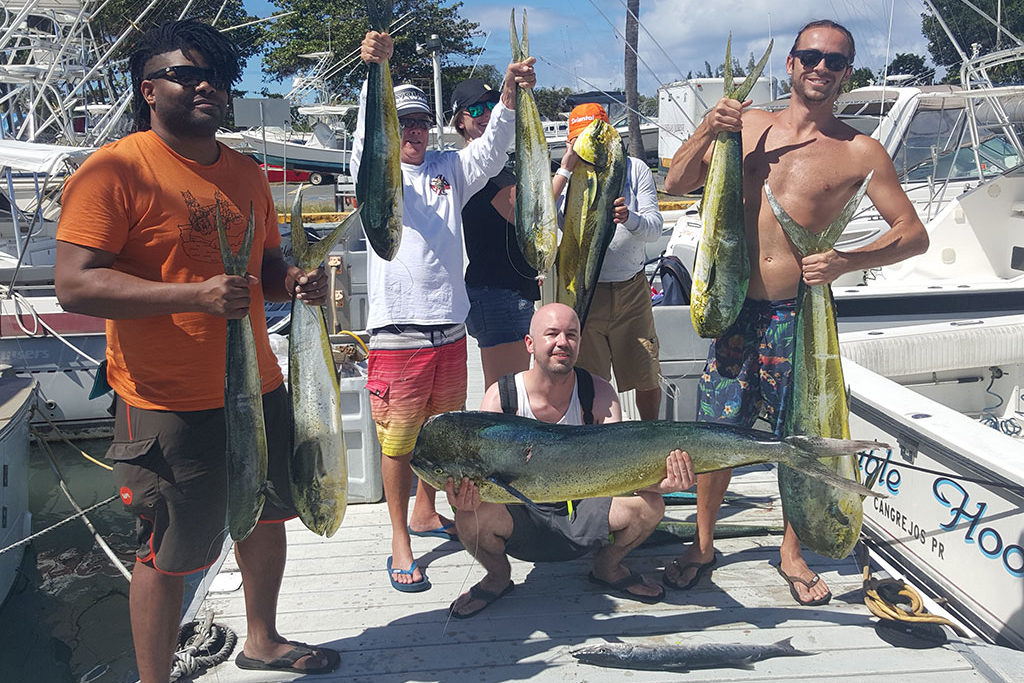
(938, 145)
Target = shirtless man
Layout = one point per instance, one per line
(814, 163)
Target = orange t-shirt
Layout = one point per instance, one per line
(154, 209)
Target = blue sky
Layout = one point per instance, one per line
(578, 47)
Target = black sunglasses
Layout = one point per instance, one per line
(415, 124)
(189, 76)
(477, 110)
(834, 61)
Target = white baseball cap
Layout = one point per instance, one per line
(411, 100)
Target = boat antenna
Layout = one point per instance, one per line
(885, 67)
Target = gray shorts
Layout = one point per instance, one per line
(551, 534)
(171, 473)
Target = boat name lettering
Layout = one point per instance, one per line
(907, 525)
(889, 477)
(988, 540)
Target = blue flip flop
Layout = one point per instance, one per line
(417, 587)
(439, 532)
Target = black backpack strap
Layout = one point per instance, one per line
(585, 390)
(507, 392)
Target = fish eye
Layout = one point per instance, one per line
(438, 470)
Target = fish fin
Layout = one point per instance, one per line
(741, 92)
(727, 67)
(512, 491)
(786, 646)
(807, 450)
(226, 255)
(235, 263)
(517, 47)
(316, 254)
(873, 478)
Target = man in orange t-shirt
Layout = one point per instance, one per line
(138, 245)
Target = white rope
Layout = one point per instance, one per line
(197, 638)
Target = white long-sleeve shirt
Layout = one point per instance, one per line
(625, 256)
(423, 284)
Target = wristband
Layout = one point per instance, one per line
(564, 172)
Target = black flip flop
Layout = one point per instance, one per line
(621, 588)
(702, 569)
(791, 580)
(286, 662)
(478, 593)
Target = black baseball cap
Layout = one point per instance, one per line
(471, 91)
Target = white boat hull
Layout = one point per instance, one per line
(956, 530)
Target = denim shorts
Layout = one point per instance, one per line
(497, 316)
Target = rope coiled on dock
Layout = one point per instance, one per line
(201, 645)
(885, 599)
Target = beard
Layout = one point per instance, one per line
(190, 121)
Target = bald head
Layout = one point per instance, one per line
(554, 339)
(558, 315)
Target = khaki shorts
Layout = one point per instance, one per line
(171, 473)
(619, 333)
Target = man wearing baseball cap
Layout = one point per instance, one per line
(501, 285)
(418, 301)
(619, 330)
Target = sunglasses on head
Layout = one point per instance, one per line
(189, 76)
(477, 110)
(414, 123)
(834, 61)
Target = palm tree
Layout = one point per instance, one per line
(636, 143)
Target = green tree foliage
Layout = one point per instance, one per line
(859, 78)
(339, 26)
(968, 27)
(115, 16)
(906, 64)
(551, 101)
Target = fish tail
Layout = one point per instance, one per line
(745, 87)
(727, 67)
(380, 13)
(300, 245)
(316, 254)
(517, 47)
(807, 450)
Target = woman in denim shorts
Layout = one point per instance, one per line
(502, 287)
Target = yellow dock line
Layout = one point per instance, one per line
(338, 216)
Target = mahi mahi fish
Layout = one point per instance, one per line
(536, 216)
(589, 208)
(721, 271)
(516, 459)
(379, 183)
(683, 657)
(826, 520)
(318, 466)
(246, 445)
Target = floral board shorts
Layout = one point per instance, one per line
(749, 367)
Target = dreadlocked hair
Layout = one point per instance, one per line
(188, 35)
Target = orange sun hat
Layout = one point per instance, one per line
(581, 116)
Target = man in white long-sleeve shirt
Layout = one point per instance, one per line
(418, 301)
(620, 324)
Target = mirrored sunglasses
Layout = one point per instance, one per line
(477, 110)
(189, 76)
(834, 61)
(414, 123)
